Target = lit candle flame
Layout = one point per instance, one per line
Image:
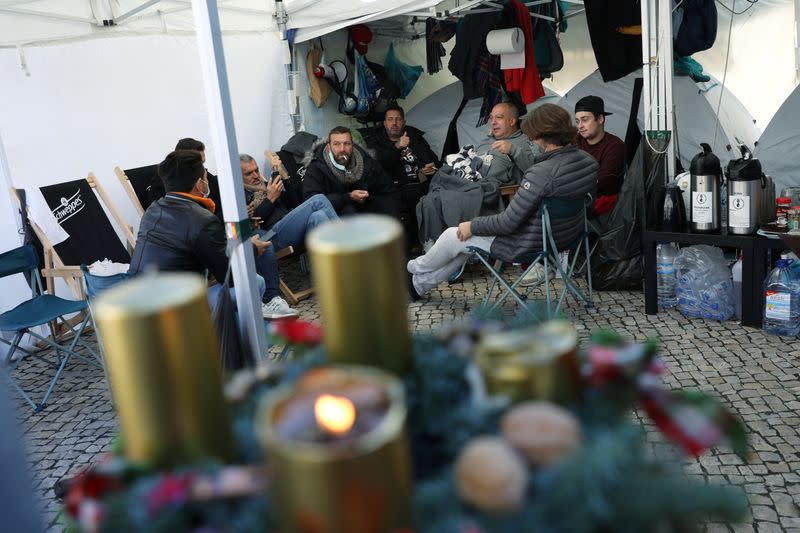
(334, 414)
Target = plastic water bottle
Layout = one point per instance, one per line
(782, 301)
(736, 272)
(665, 274)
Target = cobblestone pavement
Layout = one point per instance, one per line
(757, 374)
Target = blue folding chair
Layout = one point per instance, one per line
(549, 257)
(42, 309)
(95, 285)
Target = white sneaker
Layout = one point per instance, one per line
(277, 308)
(534, 276)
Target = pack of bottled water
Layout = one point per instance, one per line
(704, 286)
(782, 299)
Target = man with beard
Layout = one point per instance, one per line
(352, 181)
(407, 158)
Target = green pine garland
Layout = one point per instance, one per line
(610, 484)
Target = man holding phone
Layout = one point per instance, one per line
(284, 218)
(277, 202)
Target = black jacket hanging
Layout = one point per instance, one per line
(612, 28)
(451, 145)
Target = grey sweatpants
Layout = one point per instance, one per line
(446, 256)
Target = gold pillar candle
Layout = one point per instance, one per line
(536, 363)
(163, 362)
(330, 477)
(358, 267)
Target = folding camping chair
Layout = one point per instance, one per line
(91, 234)
(549, 257)
(42, 309)
(96, 284)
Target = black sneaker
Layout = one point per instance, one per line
(411, 290)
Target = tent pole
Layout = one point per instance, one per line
(5, 173)
(282, 20)
(135, 10)
(226, 152)
(665, 76)
(657, 73)
(796, 42)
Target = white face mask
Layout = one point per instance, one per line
(335, 164)
(208, 189)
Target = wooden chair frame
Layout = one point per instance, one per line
(126, 184)
(54, 266)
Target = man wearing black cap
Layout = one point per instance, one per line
(607, 149)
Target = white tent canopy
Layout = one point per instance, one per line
(91, 84)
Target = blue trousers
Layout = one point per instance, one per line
(291, 230)
(213, 292)
(267, 269)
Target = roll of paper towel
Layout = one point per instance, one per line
(508, 41)
(510, 44)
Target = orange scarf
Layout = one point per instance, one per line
(208, 203)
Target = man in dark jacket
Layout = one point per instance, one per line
(352, 181)
(407, 158)
(156, 188)
(179, 232)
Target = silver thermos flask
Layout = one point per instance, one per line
(704, 197)
(746, 189)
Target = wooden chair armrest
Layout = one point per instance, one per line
(283, 252)
(508, 190)
(63, 272)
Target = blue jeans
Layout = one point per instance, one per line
(267, 268)
(213, 292)
(291, 230)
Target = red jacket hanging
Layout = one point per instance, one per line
(526, 80)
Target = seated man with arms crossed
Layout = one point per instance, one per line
(468, 184)
(180, 233)
(562, 170)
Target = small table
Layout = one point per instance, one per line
(754, 266)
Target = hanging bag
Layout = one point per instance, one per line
(235, 353)
(403, 75)
(367, 84)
